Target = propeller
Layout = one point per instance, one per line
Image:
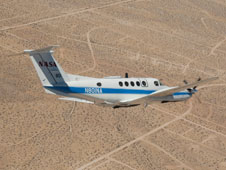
(196, 86)
(193, 90)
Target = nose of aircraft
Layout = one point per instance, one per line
(192, 91)
(195, 90)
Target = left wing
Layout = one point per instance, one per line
(96, 101)
(75, 100)
(167, 91)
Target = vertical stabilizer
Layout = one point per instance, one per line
(49, 71)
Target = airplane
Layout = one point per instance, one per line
(112, 91)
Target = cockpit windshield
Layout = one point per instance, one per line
(161, 84)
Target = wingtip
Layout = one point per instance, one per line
(209, 79)
(214, 78)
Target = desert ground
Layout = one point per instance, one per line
(171, 40)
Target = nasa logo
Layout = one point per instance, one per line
(47, 64)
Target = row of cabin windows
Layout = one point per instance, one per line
(143, 83)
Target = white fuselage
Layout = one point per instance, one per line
(119, 89)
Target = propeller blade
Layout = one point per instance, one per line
(185, 82)
(199, 79)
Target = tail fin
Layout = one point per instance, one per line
(49, 71)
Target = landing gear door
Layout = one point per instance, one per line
(143, 82)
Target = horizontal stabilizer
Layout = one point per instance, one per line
(42, 50)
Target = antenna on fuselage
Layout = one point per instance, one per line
(126, 75)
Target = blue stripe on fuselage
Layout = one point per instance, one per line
(96, 90)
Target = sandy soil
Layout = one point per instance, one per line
(171, 40)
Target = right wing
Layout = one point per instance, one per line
(181, 88)
(166, 92)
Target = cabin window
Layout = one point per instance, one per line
(132, 83)
(120, 84)
(138, 83)
(99, 84)
(126, 83)
(156, 83)
(144, 83)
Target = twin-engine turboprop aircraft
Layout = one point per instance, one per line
(113, 91)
